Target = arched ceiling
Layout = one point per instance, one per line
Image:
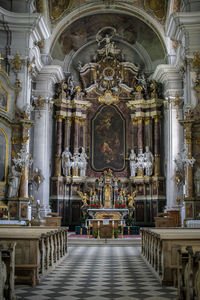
(138, 42)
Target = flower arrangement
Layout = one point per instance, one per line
(120, 206)
(95, 205)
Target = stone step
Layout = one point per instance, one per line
(104, 242)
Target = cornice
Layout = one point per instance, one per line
(34, 24)
(179, 23)
(53, 72)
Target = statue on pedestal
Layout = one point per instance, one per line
(148, 159)
(133, 164)
(83, 162)
(66, 162)
(13, 182)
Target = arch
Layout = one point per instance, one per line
(3, 156)
(92, 9)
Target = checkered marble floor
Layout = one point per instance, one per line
(99, 273)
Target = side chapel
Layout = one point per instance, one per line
(99, 108)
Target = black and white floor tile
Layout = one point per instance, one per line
(99, 273)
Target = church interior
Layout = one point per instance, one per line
(100, 149)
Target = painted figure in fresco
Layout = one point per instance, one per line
(66, 162)
(148, 160)
(133, 164)
(197, 181)
(83, 162)
(13, 182)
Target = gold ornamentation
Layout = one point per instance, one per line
(4, 97)
(196, 61)
(113, 216)
(15, 140)
(139, 88)
(25, 139)
(1, 58)
(177, 104)
(108, 98)
(16, 62)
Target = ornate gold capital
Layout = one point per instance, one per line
(140, 120)
(147, 121)
(134, 121)
(68, 120)
(59, 118)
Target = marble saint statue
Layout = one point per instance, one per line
(83, 162)
(148, 159)
(13, 182)
(66, 162)
(133, 165)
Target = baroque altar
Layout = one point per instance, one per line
(111, 122)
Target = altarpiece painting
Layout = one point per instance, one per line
(108, 139)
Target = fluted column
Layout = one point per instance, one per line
(58, 145)
(68, 125)
(157, 145)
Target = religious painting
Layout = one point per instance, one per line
(24, 210)
(189, 210)
(3, 155)
(57, 7)
(13, 210)
(3, 98)
(108, 139)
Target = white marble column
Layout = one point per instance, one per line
(169, 76)
(42, 145)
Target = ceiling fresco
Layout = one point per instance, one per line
(129, 29)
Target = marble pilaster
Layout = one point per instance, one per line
(42, 146)
(169, 76)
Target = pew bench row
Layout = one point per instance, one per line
(38, 250)
(160, 249)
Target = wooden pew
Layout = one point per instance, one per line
(38, 250)
(160, 249)
(188, 274)
(7, 270)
